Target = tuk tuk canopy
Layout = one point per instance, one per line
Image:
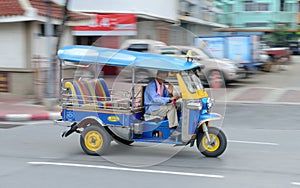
(81, 54)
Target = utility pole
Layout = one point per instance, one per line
(60, 34)
(49, 33)
(62, 27)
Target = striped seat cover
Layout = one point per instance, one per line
(93, 92)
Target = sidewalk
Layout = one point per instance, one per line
(25, 110)
(280, 86)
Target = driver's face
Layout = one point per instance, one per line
(161, 77)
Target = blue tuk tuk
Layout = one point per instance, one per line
(94, 111)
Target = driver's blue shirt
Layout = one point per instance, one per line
(152, 100)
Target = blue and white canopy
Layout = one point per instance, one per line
(115, 57)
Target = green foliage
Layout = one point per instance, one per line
(280, 33)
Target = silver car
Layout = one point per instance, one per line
(142, 45)
(216, 71)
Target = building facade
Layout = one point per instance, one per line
(24, 44)
(198, 17)
(258, 15)
(170, 21)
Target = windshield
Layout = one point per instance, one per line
(203, 54)
(192, 81)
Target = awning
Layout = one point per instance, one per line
(109, 25)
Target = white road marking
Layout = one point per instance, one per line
(251, 142)
(295, 183)
(128, 169)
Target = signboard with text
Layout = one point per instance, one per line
(214, 45)
(109, 25)
(239, 48)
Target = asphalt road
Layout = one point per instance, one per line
(263, 151)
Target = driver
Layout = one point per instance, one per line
(159, 100)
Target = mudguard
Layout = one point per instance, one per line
(75, 126)
(208, 117)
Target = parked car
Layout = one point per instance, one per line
(294, 46)
(142, 45)
(223, 70)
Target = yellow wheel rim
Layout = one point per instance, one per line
(211, 147)
(93, 140)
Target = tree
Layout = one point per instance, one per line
(64, 20)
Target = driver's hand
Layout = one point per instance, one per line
(170, 88)
(174, 98)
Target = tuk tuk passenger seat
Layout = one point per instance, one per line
(93, 93)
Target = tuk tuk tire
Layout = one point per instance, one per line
(216, 150)
(94, 140)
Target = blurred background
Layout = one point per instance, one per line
(254, 34)
(250, 51)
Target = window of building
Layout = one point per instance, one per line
(288, 7)
(86, 40)
(256, 24)
(281, 5)
(253, 6)
(186, 8)
(56, 29)
(263, 7)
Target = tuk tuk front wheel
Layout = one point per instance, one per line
(94, 140)
(217, 144)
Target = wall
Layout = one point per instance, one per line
(238, 17)
(147, 30)
(21, 83)
(12, 46)
(20, 43)
(158, 8)
(40, 43)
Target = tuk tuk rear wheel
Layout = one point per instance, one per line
(94, 140)
(217, 147)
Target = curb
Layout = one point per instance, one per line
(30, 117)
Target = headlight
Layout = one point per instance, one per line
(210, 102)
(194, 106)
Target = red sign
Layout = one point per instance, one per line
(109, 25)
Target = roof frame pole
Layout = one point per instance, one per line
(61, 29)
(132, 88)
(60, 81)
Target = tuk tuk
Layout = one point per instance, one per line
(100, 115)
